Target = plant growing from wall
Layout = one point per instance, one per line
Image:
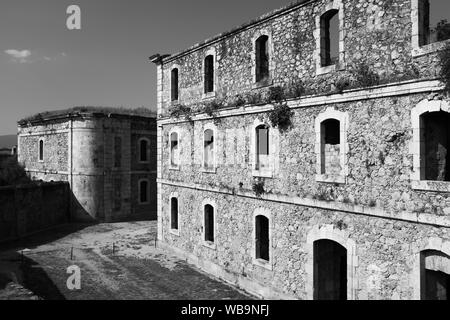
(442, 30)
(276, 94)
(342, 83)
(180, 110)
(365, 77)
(295, 89)
(444, 61)
(258, 187)
(281, 116)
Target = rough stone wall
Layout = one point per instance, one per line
(377, 34)
(384, 247)
(83, 153)
(332, 159)
(28, 209)
(379, 161)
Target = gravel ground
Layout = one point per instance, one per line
(117, 261)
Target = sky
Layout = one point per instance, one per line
(44, 66)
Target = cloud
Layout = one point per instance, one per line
(19, 56)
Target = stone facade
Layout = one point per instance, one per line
(99, 154)
(358, 197)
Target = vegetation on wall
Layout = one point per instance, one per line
(365, 76)
(180, 110)
(258, 187)
(281, 116)
(444, 60)
(442, 30)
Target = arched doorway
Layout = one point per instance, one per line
(330, 271)
(434, 275)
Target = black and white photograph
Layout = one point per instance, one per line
(220, 157)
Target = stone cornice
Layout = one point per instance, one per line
(420, 218)
(381, 91)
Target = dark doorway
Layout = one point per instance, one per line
(437, 284)
(435, 280)
(209, 223)
(330, 271)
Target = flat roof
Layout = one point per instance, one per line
(87, 111)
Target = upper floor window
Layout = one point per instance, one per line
(41, 150)
(174, 84)
(331, 147)
(117, 152)
(174, 149)
(262, 58)
(329, 38)
(208, 149)
(436, 146)
(433, 25)
(262, 147)
(209, 74)
(143, 150)
(143, 191)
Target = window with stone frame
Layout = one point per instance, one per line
(41, 150)
(144, 191)
(209, 223)
(433, 23)
(208, 149)
(143, 150)
(262, 147)
(209, 74)
(435, 146)
(174, 150)
(117, 152)
(262, 238)
(174, 88)
(329, 38)
(330, 147)
(262, 58)
(174, 213)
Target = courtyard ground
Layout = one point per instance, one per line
(117, 261)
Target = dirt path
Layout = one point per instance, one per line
(117, 261)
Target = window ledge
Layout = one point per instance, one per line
(427, 185)
(262, 173)
(209, 244)
(173, 168)
(175, 102)
(429, 48)
(263, 83)
(209, 170)
(144, 203)
(326, 69)
(209, 95)
(263, 264)
(328, 178)
(175, 232)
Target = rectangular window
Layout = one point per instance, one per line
(209, 223)
(433, 24)
(209, 74)
(117, 152)
(174, 87)
(117, 194)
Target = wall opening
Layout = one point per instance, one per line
(330, 271)
(174, 149)
(143, 191)
(262, 147)
(143, 150)
(330, 147)
(209, 223)
(329, 38)
(117, 203)
(174, 214)
(117, 152)
(174, 84)
(209, 74)
(262, 58)
(435, 146)
(208, 149)
(262, 237)
(41, 150)
(433, 24)
(434, 275)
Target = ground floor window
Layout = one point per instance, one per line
(435, 275)
(262, 238)
(174, 214)
(209, 223)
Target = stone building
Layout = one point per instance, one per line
(351, 199)
(107, 155)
